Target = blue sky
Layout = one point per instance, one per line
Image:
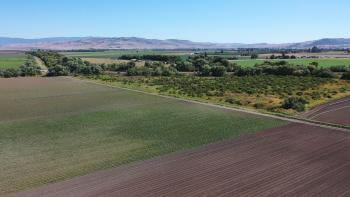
(247, 21)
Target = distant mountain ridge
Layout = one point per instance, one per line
(75, 43)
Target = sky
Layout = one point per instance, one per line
(225, 21)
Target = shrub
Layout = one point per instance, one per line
(296, 103)
(340, 68)
(184, 66)
(29, 70)
(346, 76)
(11, 72)
(168, 71)
(205, 71)
(218, 71)
(57, 70)
(316, 64)
(132, 72)
(325, 73)
(90, 70)
(259, 105)
(254, 56)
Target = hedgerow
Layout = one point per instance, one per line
(60, 65)
(29, 68)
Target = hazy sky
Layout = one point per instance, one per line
(247, 21)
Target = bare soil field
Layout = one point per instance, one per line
(111, 61)
(337, 112)
(292, 160)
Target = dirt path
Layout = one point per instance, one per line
(292, 160)
(42, 65)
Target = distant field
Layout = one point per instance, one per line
(244, 61)
(322, 62)
(52, 129)
(325, 54)
(11, 60)
(118, 53)
(110, 61)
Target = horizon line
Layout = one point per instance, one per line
(273, 43)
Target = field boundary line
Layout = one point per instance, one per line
(323, 107)
(332, 110)
(274, 116)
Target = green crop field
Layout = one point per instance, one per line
(52, 129)
(11, 60)
(322, 62)
(118, 53)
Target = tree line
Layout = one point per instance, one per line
(200, 65)
(60, 65)
(217, 66)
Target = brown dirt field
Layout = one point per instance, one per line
(293, 160)
(111, 61)
(337, 112)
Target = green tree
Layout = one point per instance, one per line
(296, 103)
(346, 76)
(218, 71)
(57, 70)
(316, 64)
(254, 56)
(206, 70)
(315, 49)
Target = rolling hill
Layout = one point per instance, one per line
(75, 43)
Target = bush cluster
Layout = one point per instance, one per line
(161, 58)
(59, 65)
(29, 68)
(296, 103)
(152, 69)
(346, 76)
(205, 66)
(294, 91)
(282, 86)
(121, 67)
(283, 68)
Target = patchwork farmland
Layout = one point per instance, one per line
(111, 55)
(292, 160)
(54, 129)
(72, 130)
(174, 99)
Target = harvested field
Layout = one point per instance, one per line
(54, 129)
(337, 112)
(293, 160)
(111, 61)
(117, 53)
